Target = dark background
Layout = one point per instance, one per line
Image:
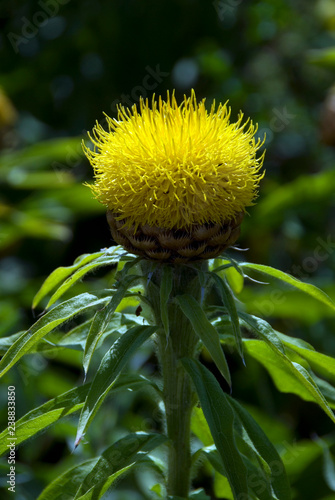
(64, 63)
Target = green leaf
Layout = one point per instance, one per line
(324, 57)
(61, 313)
(259, 484)
(199, 427)
(94, 493)
(235, 279)
(287, 375)
(220, 418)
(229, 302)
(205, 331)
(329, 465)
(117, 459)
(266, 450)
(77, 275)
(102, 319)
(273, 208)
(323, 364)
(66, 404)
(263, 330)
(45, 415)
(60, 274)
(109, 369)
(221, 487)
(41, 153)
(311, 290)
(165, 290)
(19, 179)
(65, 486)
(6, 342)
(286, 302)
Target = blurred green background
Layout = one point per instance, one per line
(64, 63)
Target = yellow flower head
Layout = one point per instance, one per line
(175, 166)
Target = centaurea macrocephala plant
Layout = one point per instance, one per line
(176, 181)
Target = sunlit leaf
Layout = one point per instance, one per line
(199, 427)
(323, 364)
(235, 279)
(58, 315)
(61, 273)
(287, 375)
(77, 275)
(71, 274)
(311, 290)
(263, 330)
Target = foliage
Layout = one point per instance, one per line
(273, 60)
(229, 440)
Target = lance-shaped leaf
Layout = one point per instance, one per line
(6, 342)
(266, 450)
(62, 273)
(102, 319)
(205, 331)
(108, 371)
(311, 290)
(42, 417)
(66, 404)
(165, 290)
(328, 465)
(323, 364)
(61, 313)
(220, 418)
(259, 483)
(116, 459)
(65, 486)
(263, 330)
(76, 276)
(229, 302)
(287, 375)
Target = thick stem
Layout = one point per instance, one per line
(178, 401)
(178, 394)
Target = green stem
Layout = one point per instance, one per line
(178, 393)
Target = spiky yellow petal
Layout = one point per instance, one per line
(175, 166)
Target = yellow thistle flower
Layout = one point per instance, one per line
(175, 166)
